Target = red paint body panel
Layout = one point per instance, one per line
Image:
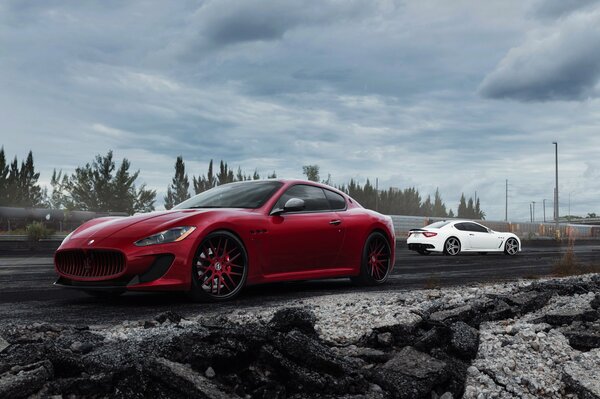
(285, 247)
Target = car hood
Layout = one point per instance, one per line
(138, 226)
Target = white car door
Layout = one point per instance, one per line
(481, 238)
(464, 235)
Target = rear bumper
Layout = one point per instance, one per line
(420, 247)
(418, 244)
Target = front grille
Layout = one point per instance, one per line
(90, 264)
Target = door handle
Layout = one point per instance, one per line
(471, 234)
(336, 222)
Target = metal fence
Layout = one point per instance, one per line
(56, 219)
(526, 230)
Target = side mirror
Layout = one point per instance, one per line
(292, 205)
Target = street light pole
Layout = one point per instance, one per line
(556, 212)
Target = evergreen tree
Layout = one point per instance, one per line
(94, 187)
(225, 174)
(14, 193)
(59, 199)
(19, 185)
(239, 176)
(462, 207)
(272, 175)
(439, 209)
(4, 169)
(427, 207)
(179, 190)
(31, 193)
(256, 176)
(311, 172)
(470, 209)
(479, 214)
(203, 183)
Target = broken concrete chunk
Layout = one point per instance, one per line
(3, 344)
(294, 318)
(185, 380)
(24, 381)
(464, 339)
(451, 315)
(411, 374)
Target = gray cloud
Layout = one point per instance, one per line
(552, 9)
(364, 89)
(218, 23)
(556, 63)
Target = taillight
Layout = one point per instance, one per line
(429, 234)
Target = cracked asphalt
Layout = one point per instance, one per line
(27, 294)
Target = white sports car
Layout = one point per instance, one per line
(456, 236)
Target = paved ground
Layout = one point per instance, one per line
(27, 294)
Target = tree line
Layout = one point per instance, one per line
(104, 185)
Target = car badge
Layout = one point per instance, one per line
(90, 242)
(87, 266)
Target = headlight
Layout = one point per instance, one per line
(171, 235)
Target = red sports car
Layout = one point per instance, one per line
(233, 235)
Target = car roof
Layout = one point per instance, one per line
(310, 182)
(291, 182)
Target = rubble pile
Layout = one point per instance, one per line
(525, 339)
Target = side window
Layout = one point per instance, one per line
(477, 228)
(336, 201)
(314, 198)
(461, 226)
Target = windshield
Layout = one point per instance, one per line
(234, 195)
(437, 225)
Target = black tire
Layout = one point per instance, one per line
(452, 246)
(511, 247)
(376, 261)
(219, 268)
(423, 252)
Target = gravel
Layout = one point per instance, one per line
(527, 339)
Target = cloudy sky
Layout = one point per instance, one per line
(458, 95)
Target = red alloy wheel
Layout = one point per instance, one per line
(378, 260)
(220, 266)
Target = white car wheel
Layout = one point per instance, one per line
(511, 247)
(452, 246)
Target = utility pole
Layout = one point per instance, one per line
(544, 210)
(530, 213)
(533, 211)
(506, 203)
(556, 208)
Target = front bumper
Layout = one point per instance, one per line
(165, 267)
